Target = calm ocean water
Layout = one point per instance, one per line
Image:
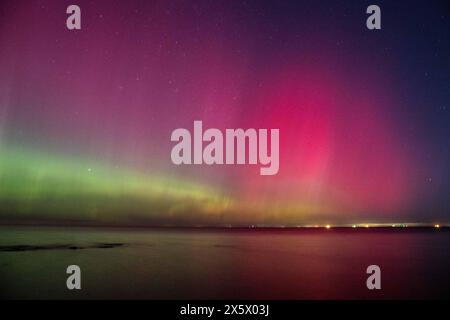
(223, 264)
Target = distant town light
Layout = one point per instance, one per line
(328, 226)
(437, 226)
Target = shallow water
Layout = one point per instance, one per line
(223, 264)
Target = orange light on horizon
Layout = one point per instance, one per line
(437, 226)
(328, 226)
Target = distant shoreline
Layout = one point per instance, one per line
(374, 227)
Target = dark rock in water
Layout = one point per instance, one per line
(108, 245)
(18, 248)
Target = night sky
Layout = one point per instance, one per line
(86, 115)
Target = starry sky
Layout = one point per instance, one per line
(86, 115)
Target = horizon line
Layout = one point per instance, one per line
(413, 225)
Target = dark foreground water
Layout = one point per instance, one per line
(223, 264)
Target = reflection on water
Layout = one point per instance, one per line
(223, 264)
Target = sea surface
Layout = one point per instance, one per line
(223, 264)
